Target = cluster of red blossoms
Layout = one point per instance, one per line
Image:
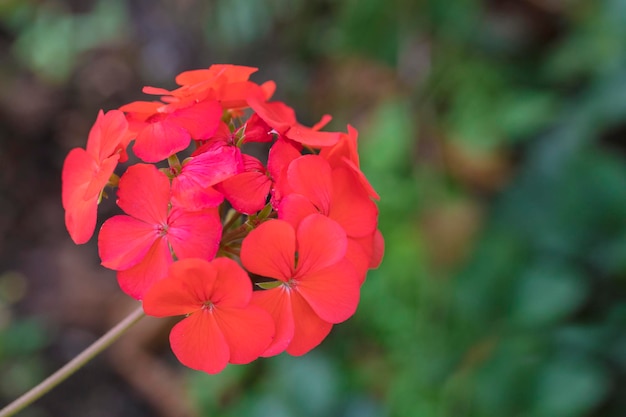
(261, 255)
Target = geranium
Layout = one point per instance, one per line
(221, 325)
(228, 176)
(140, 244)
(317, 287)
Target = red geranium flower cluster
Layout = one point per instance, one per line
(261, 254)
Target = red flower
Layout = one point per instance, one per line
(138, 244)
(317, 286)
(338, 194)
(86, 172)
(221, 326)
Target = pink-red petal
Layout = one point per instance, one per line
(248, 331)
(137, 280)
(124, 241)
(269, 250)
(198, 343)
(321, 243)
(309, 329)
(144, 193)
(277, 302)
(333, 293)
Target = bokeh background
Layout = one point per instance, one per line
(494, 132)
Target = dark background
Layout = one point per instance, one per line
(494, 132)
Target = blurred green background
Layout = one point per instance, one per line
(494, 132)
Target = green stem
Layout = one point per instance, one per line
(72, 366)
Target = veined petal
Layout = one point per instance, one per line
(269, 250)
(277, 302)
(170, 296)
(247, 192)
(321, 243)
(198, 343)
(137, 280)
(78, 171)
(248, 331)
(232, 288)
(107, 133)
(333, 293)
(124, 241)
(194, 234)
(157, 141)
(310, 175)
(101, 177)
(276, 114)
(144, 193)
(309, 330)
(351, 206)
(80, 219)
(314, 138)
(200, 119)
(295, 207)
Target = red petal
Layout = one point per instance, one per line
(358, 257)
(137, 280)
(157, 141)
(321, 243)
(194, 234)
(101, 177)
(310, 175)
(124, 241)
(234, 95)
(269, 250)
(308, 136)
(211, 167)
(78, 169)
(345, 148)
(233, 288)
(80, 219)
(333, 293)
(277, 302)
(144, 193)
(200, 120)
(276, 114)
(247, 192)
(294, 208)
(173, 296)
(351, 206)
(198, 343)
(80, 214)
(379, 249)
(107, 133)
(248, 331)
(309, 331)
(189, 197)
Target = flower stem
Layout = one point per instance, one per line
(72, 366)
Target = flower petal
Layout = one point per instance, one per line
(333, 293)
(194, 234)
(248, 331)
(309, 330)
(124, 241)
(277, 302)
(172, 296)
(137, 280)
(351, 205)
(315, 138)
(321, 243)
(233, 287)
(269, 250)
(144, 193)
(200, 119)
(246, 192)
(157, 141)
(198, 343)
(310, 175)
(295, 207)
